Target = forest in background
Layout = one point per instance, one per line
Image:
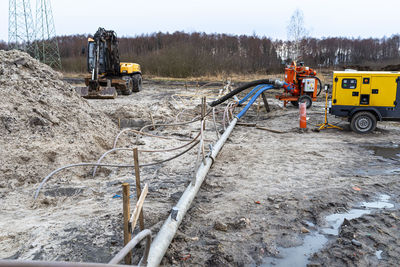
(183, 54)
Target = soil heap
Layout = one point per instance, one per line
(44, 123)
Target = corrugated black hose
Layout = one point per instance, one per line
(240, 89)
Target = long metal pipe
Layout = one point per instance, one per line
(167, 232)
(23, 263)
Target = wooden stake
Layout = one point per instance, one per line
(152, 122)
(138, 207)
(265, 102)
(138, 188)
(126, 210)
(203, 109)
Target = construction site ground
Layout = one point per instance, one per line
(267, 192)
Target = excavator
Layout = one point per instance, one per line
(108, 76)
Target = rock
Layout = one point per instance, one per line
(36, 121)
(304, 230)
(347, 234)
(220, 226)
(345, 222)
(356, 243)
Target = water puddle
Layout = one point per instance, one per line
(381, 203)
(298, 256)
(387, 165)
(378, 254)
(313, 242)
(335, 220)
(388, 151)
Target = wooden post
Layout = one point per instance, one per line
(152, 122)
(265, 102)
(138, 188)
(126, 211)
(138, 207)
(203, 109)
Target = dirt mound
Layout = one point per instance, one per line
(43, 122)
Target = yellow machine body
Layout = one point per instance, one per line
(129, 68)
(378, 88)
(366, 97)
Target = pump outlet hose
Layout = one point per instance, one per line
(240, 89)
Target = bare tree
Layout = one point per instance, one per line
(296, 31)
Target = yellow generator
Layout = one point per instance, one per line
(365, 97)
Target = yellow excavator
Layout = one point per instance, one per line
(108, 76)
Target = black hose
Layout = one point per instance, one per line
(320, 85)
(319, 82)
(240, 89)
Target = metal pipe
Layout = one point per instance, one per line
(167, 232)
(128, 248)
(23, 263)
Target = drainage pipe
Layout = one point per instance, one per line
(167, 232)
(30, 263)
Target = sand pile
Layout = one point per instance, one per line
(44, 124)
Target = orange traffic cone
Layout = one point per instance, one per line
(303, 116)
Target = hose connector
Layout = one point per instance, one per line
(278, 84)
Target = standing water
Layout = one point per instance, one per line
(298, 256)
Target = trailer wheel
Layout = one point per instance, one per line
(306, 99)
(295, 103)
(137, 82)
(363, 122)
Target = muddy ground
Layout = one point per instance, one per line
(265, 192)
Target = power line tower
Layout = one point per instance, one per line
(21, 33)
(47, 45)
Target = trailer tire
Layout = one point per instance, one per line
(363, 122)
(295, 103)
(137, 82)
(306, 99)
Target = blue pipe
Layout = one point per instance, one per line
(251, 93)
(259, 92)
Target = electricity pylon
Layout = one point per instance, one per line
(47, 45)
(21, 33)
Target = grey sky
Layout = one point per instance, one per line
(350, 18)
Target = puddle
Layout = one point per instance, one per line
(387, 165)
(388, 151)
(335, 220)
(298, 256)
(378, 254)
(382, 203)
(313, 242)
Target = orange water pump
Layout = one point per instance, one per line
(301, 85)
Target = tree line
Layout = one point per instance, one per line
(183, 54)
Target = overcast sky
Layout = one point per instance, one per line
(350, 18)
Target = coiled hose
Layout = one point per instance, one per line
(240, 89)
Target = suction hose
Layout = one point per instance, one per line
(240, 89)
